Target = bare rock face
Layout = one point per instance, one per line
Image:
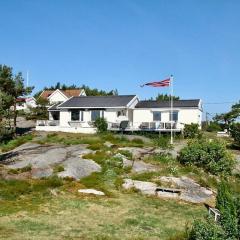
(185, 189)
(192, 191)
(43, 158)
(78, 168)
(91, 191)
(148, 188)
(138, 152)
(137, 165)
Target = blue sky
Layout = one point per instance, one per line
(120, 44)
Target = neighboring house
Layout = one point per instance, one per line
(25, 103)
(77, 114)
(157, 114)
(58, 95)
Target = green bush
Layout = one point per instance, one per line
(192, 131)
(235, 132)
(137, 140)
(16, 142)
(101, 125)
(213, 127)
(162, 142)
(210, 155)
(206, 230)
(225, 203)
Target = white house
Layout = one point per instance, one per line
(59, 95)
(25, 103)
(124, 112)
(157, 114)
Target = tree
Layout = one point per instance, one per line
(40, 111)
(13, 87)
(166, 97)
(96, 92)
(229, 117)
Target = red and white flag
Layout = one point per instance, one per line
(163, 83)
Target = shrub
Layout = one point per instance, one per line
(162, 142)
(213, 127)
(235, 132)
(126, 153)
(101, 125)
(137, 140)
(228, 209)
(58, 168)
(210, 155)
(16, 142)
(192, 131)
(206, 230)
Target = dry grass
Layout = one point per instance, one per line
(126, 216)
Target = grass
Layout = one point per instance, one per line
(20, 170)
(95, 141)
(15, 142)
(125, 216)
(29, 210)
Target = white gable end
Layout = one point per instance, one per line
(57, 96)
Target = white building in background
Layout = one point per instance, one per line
(124, 112)
(59, 95)
(26, 103)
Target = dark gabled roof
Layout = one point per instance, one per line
(54, 107)
(193, 103)
(97, 101)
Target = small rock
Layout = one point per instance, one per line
(91, 191)
(148, 188)
(108, 144)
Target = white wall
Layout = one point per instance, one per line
(57, 96)
(65, 117)
(185, 116)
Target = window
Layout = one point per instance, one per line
(75, 114)
(95, 114)
(174, 116)
(82, 112)
(156, 116)
(121, 113)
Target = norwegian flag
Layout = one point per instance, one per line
(163, 83)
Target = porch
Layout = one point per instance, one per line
(88, 127)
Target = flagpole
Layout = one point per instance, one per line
(171, 89)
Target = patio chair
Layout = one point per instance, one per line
(152, 125)
(144, 125)
(123, 125)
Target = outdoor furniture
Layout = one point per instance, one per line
(115, 125)
(215, 212)
(52, 123)
(152, 125)
(123, 125)
(144, 125)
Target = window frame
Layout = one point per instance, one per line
(171, 116)
(160, 114)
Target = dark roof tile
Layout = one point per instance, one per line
(97, 101)
(166, 104)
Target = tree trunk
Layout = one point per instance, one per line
(15, 117)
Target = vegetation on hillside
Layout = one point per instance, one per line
(210, 155)
(11, 87)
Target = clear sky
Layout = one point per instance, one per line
(121, 44)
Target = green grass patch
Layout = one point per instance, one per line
(28, 168)
(58, 168)
(15, 142)
(126, 153)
